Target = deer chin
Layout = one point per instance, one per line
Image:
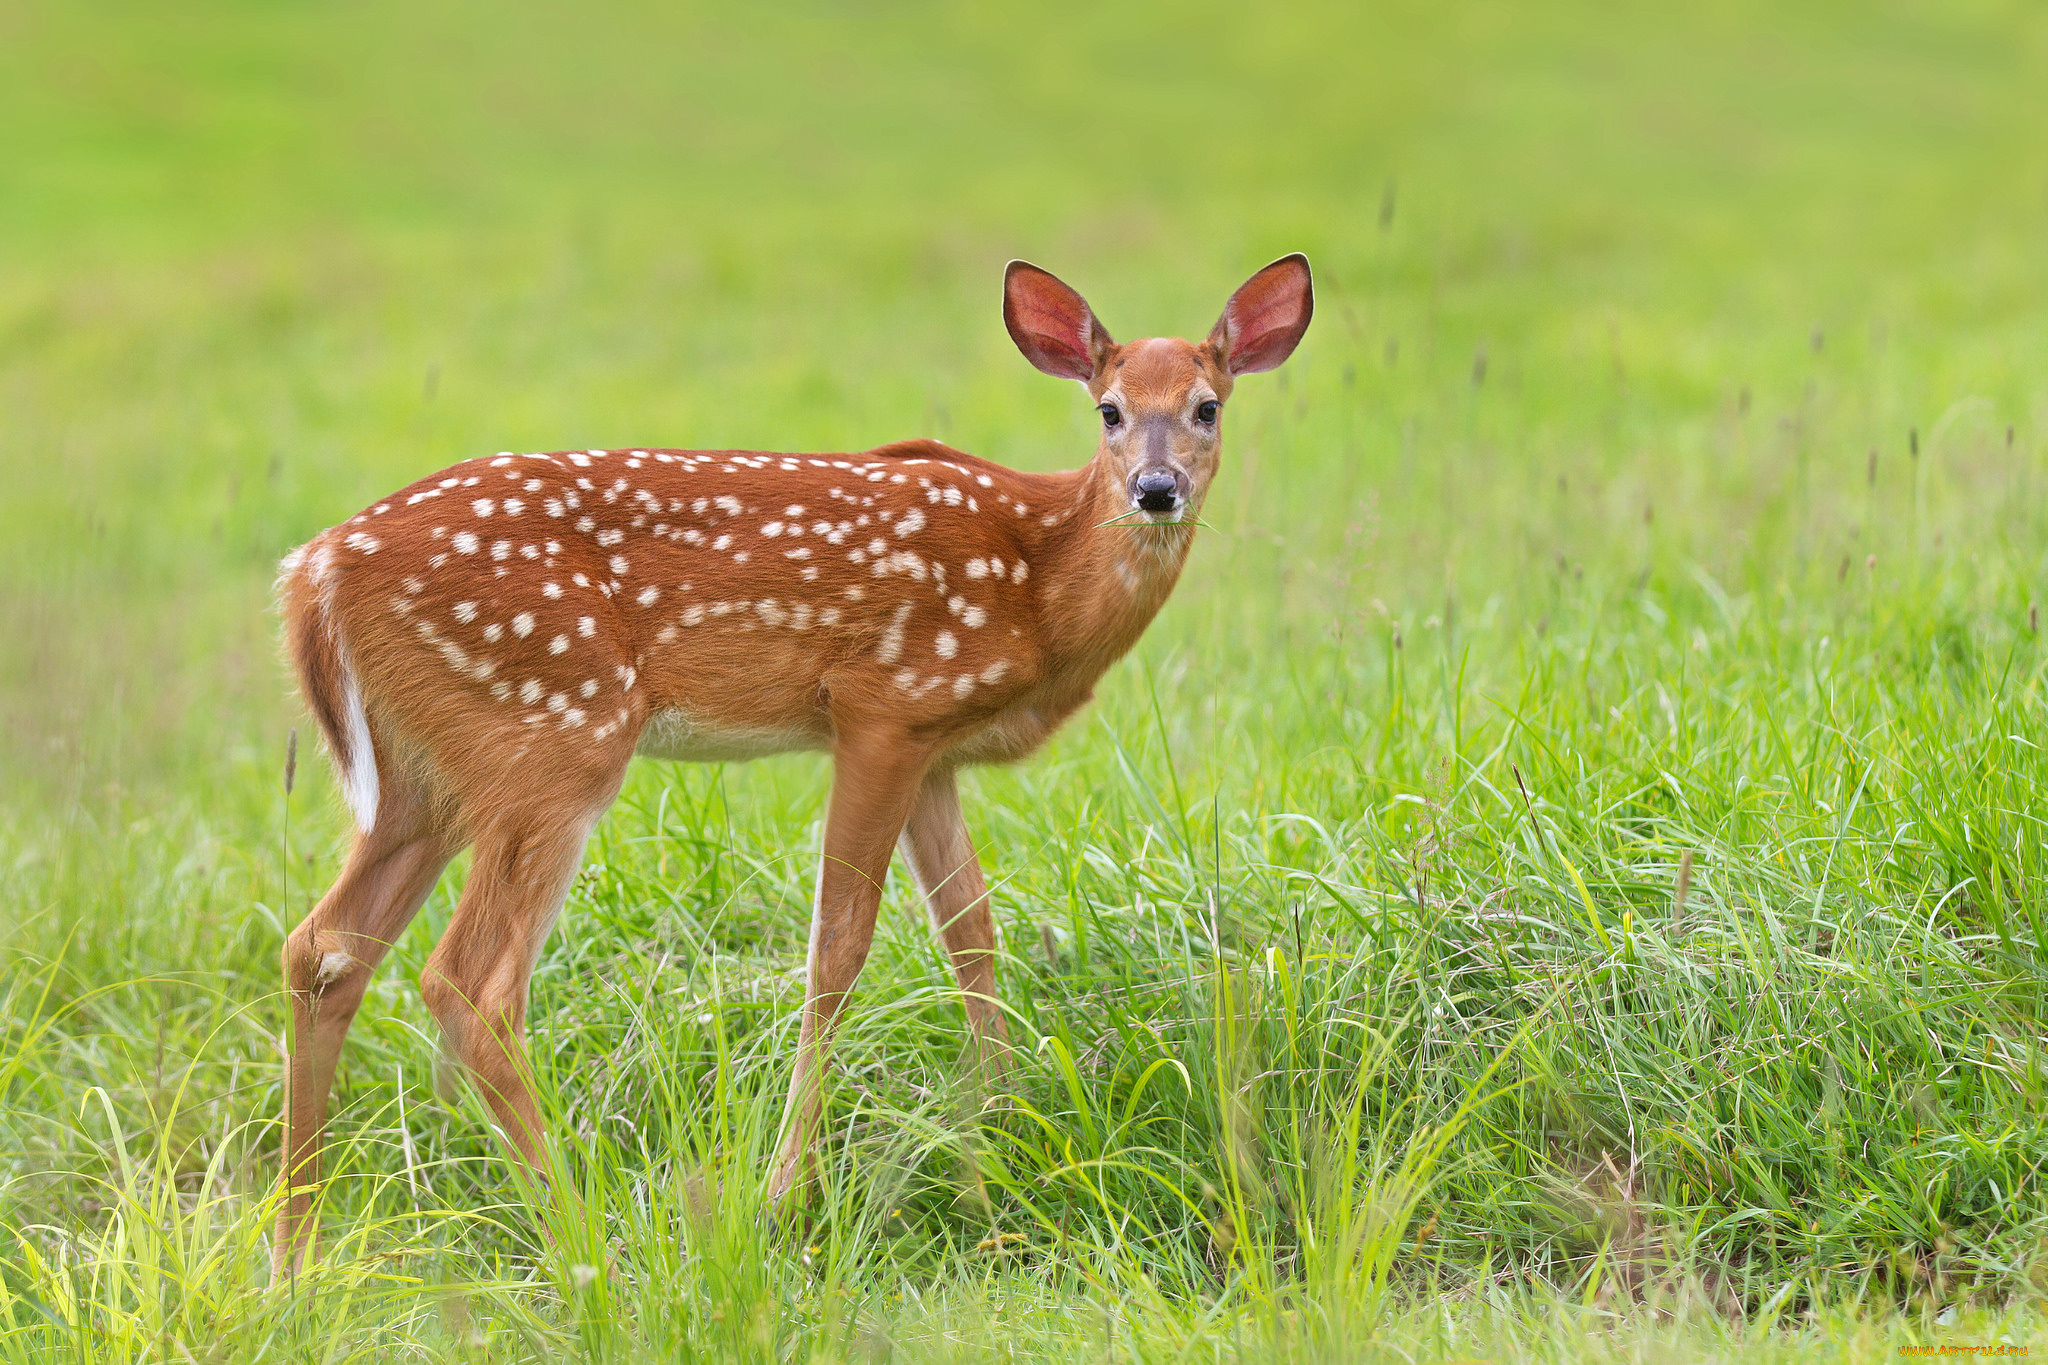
(1162, 545)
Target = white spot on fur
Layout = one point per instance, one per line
(891, 646)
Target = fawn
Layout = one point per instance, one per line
(485, 651)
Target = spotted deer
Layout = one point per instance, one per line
(485, 651)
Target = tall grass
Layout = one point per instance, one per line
(1282, 1067)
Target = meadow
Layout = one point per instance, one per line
(1562, 879)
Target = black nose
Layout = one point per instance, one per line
(1158, 491)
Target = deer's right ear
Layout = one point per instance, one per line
(1051, 324)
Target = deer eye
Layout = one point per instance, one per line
(1110, 416)
(1206, 412)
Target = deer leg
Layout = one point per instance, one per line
(328, 961)
(875, 778)
(941, 855)
(476, 979)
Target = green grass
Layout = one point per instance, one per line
(1657, 498)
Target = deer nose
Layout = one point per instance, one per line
(1157, 491)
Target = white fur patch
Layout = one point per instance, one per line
(359, 780)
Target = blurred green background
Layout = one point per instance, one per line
(1659, 488)
(263, 262)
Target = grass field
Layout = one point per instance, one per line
(1563, 879)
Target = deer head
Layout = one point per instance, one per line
(1161, 399)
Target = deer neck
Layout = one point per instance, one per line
(1105, 577)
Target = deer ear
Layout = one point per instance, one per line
(1264, 320)
(1051, 324)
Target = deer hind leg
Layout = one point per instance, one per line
(941, 856)
(476, 979)
(328, 961)
(874, 780)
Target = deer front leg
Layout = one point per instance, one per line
(875, 777)
(941, 855)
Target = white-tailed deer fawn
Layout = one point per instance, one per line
(487, 649)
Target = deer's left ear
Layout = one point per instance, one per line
(1264, 320)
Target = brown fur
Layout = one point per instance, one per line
(515, 627)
